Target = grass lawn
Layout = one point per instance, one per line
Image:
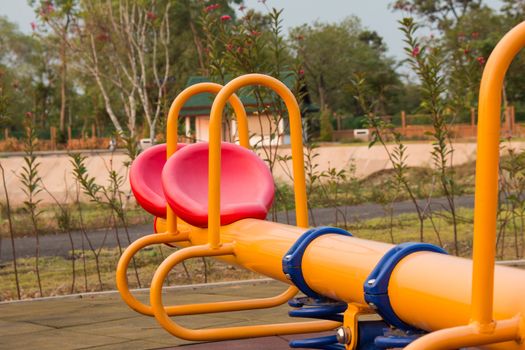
(57, 272)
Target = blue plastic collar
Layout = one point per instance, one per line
(292, 260)
(376, 285)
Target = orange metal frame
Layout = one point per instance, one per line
(486, 318)
(178, 232)
(482, 328)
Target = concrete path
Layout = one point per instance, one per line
(102, 321)
(55, 168)
(59, 244)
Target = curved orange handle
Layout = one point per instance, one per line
(173, 120)
(214, 177)
(215, 334)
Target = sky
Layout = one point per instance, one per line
(374, 14)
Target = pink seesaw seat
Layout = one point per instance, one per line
(145, 179)
(247, 187)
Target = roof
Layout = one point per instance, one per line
(200, 104)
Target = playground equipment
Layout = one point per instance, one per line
(426, 298)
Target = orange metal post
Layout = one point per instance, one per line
(215, 154)
(486, 199)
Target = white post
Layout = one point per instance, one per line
(187, 127)
(234, 130)
(280, 132)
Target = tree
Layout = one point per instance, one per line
(333, 53)
(59, 16)
(124, 48)
(468, 30)
(19, 57)
(443, 13)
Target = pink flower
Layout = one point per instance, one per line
(481, 60)
(211, 7)
(301, 72)
(474, 35)
(151, 16)
(255, 33)
(229, 46)
(29, 114)
(466, 51)
(416, 51)
(225, 18)
(33, 26)
(103, 37)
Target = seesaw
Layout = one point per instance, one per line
(426, 298)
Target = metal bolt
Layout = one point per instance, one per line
(288, 276)
(343, 335)
(373, 306)
(288, 257)
(371, 282)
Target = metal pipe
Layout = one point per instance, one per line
(172, 134)
(486, 195)
(427, 290)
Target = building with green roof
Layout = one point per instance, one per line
(264, 129)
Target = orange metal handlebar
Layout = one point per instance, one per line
(180, 310)
(486, 196)
(483, 329)
(467, 336)
(123, 263)
(214, 177)
(172, 127)
(214, 334)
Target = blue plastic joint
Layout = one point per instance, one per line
(376, 285)
(323, 343)
(292, 260)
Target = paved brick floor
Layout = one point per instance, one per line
(103, 321)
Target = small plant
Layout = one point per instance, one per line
(512, 192)
(333, 181)
(94, 251)
(32, 186)
(11, 231)
(64, 219)
(427, 62)
(382, 131)
(107, 196)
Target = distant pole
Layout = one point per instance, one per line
(507, 118)
(93, 132)
(473, 117)
(53, 134)
(403, 122)
(6, 133)
(69, 133)
(513, 117)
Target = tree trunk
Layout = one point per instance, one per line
(63, 85)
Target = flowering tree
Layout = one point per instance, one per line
(332, 53)
(124, 47)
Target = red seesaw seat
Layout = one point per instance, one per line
(145, 179)
(247, 187)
